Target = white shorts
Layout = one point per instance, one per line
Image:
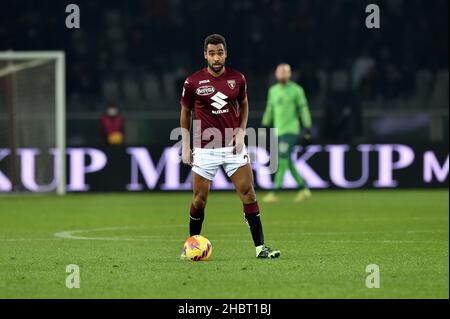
(208, 160)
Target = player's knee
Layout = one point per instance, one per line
(249, 196)
(199, 201)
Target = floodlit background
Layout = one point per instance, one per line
(388, 84)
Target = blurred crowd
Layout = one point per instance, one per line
(139, 52)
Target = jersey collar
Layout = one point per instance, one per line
(216, 78)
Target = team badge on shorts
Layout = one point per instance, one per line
(231, 84)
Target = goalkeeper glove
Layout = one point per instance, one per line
(306, 137)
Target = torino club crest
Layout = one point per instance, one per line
(231, 84)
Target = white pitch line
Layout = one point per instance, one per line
(28, 239)
(69, 234)
(233, 237)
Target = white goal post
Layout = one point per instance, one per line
(23, 70)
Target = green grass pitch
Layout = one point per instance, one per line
(128, 246)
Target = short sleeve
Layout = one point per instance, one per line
(187, 95)
(242, 89)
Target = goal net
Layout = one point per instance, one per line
(32, 122)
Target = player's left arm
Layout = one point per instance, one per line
(243, 114)
(305, 115)
(243, 117)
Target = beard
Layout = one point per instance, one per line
(216, 68)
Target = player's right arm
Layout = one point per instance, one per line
(302, 104)
(185, 124)
(268, 113)
(187, 102)
(305, 116)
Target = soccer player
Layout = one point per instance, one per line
(286, 106)
(217, 96)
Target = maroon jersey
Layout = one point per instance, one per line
(216, 103)
(109, 125)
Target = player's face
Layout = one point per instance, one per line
(215, 55)
(112, 110)
(283, 73)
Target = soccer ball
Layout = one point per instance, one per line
(115, 138)
(197, 248)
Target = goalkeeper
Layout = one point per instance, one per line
(286, 108)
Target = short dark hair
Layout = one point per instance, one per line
(111, 103)
(214, 39)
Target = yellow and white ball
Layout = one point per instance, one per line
(115, 138)
(197, 248)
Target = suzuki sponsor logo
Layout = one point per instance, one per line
(205, 90)
(220, 111)
(219, 100)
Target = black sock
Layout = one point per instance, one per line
(196, 220)
(251, 213)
